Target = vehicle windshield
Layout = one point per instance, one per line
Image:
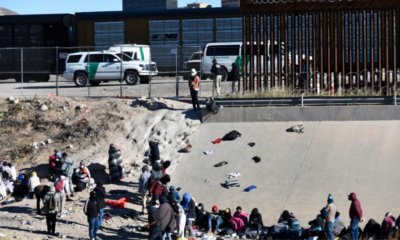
(126, 58)
(195, 56)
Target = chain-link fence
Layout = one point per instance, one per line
(163, 71)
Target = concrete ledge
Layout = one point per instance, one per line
(314, 113)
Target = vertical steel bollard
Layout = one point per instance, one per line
(150, 73)
(22, 71)
(57, 71)
(176, 74)
(120, 73)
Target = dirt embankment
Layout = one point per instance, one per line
(31, 128)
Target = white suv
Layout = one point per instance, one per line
(95, 67)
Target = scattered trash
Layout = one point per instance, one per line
(233, 175)
(178, 189)
(97, 129)
(44, 108)
(207, 180)
(232, 183)
(256, 159)
(297, 128)
(251, 144)
(186, 149)
(28, 204)
(250, 188)
(207, 152)
(217, 141)
(1, 114)
(107, 216)
(221, 164)
(106, 129)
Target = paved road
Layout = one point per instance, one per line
(297, 172)
(160, 87)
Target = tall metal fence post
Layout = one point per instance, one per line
(89, 69)
(150, 73)
(120, 72)
(177, 76)
(57, 71)
(22, 71)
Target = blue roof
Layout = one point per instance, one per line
(162, 14)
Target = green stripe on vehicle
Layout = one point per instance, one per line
(239, 62)
(92, 69)
(141, 53)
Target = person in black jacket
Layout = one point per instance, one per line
(154, 224)
(255, 222)
(235, 76)
(92, 212)
(201, 216)
(100, 195)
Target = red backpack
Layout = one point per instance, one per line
(60, 185)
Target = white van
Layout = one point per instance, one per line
(231, 52)
(136, 52)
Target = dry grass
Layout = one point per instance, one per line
(289, 93)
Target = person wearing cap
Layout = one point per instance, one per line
(82, 173)
(32, 183)
(216, 70)
(294, 230)
(174, 194)
(215, 220)
(144, 186)
(91, 210)
(355, 214)
(331, 210)
(194, 82)
(235, 75)
(51, 214)
(255, 222)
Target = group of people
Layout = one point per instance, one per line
(170, 213)
(54, 196)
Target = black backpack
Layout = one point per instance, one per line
(232, 136)
(212, 107)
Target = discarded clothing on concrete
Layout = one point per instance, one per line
(219, 140)
(207, 152)
(107, 216)
(297, 128)
(232, 136)
(186, 149)
(232, 183)
(250, 188)
(221, 164)
(121, 203)
(251, 144)
(233, 175)
(257, 159)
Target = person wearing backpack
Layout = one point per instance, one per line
(51, 207)
(68, 169)
(62, 188)
(194, 82)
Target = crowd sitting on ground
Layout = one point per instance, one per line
(54, 196)
(169, 214)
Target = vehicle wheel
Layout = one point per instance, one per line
(131, 78)
(81, 80)
(224, 75)
(94, 83)
(144, 80)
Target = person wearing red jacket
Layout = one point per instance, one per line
(355, 215)
(158, 187)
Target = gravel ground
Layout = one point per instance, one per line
(160, 87)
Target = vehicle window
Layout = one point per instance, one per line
(227, 50)
(135, 57)
(196, 56)
(109, 58)
(125, 57)
(254, 50)
(130, 54)
(74, 58)
(94, 58)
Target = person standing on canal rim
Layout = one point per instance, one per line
(194, 82)
(217, 72)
